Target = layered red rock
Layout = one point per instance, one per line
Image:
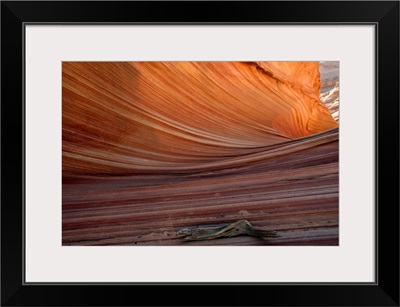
(151, 147)
(295, 193)
(151, 117)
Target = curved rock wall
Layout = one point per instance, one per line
(124, 118)
(150, 148)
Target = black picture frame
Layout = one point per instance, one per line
(383, 14)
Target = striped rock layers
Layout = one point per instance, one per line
(124, 118)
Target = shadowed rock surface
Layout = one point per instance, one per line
(150, 148)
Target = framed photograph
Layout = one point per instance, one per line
(149, 155)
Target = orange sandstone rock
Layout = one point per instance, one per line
(159, 117)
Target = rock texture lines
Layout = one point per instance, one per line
(127, 118)
(153, 147)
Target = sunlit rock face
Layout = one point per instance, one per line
(150, 148)
(331, 100)
(124, 118)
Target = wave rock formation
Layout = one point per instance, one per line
(146, 117)
(149, 148)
